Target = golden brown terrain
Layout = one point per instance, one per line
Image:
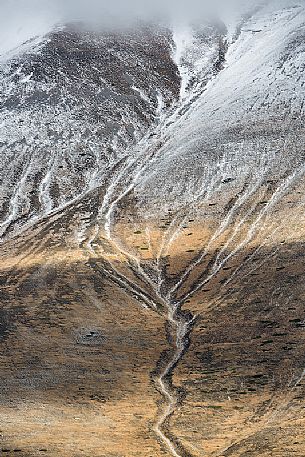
(85, 337)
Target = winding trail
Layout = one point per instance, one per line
(182, 328)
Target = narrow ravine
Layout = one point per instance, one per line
(180, 324)
(182, 327)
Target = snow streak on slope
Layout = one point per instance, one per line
(70, 107)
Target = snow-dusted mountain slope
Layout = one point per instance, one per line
(250, 115)
(74, 104)
(152, 238)
(70, 106)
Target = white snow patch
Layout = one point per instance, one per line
(183, 39)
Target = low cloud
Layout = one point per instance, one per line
(21, 20)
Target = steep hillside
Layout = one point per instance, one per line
(153, 240)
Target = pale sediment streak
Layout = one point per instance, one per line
(256, 251)
(44, 189)
(15, 202)
(180, 325)
(92, 238)
(182, 328)
(253, 228)
(223, 226)
(126, 284)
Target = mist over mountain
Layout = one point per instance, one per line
(22, 20)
